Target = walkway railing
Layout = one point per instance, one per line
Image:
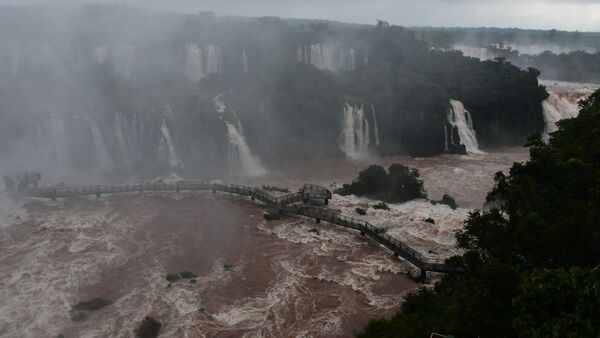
(284, 203)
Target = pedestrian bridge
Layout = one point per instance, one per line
(289, 203)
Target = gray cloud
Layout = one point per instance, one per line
(545, 14)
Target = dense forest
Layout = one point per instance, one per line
(532, 258)
(196, 94)
(558, 55)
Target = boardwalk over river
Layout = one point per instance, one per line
(286, 203)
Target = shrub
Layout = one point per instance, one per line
(399, 184)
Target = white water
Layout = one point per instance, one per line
(376, 125)
(124, 60)
(460, 118)
(55, 142)
(446, 148)
(194, 70)
(241, 159)
(213, 59)
(120, 135)
(327, 57)
(167, 140)
(355, 136)
(244, 62)
(557, 108)
(104, 160)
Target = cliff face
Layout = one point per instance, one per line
(116, 89)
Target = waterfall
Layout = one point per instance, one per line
(347, 59)
(55, 144)
(355, 133)
(124, 58)
(244, 62)
(241, 159)
(213, 59)
(460, 118)
(321, 56)
(194, 70)
(120, 138)
(100, 54)
(446, 148)
(376, 125)
(104, 160)
(557, 108)
(14, 60)
(167, 146)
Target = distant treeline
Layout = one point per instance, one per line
(559, 55)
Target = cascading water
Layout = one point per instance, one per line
(460, 118)
(241, 159)
(124, 60)
(194, 69)
(100, 54)
(167, 147)
(120, 138)
(102, 156)
(244, 62)
(446, 148)
(213, 59)
(376, 128)
(54, 141)
(355, 136)
(557, 108)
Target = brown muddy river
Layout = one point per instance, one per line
(288, 278)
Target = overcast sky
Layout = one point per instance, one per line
(583, 15)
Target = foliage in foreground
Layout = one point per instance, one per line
(398, 184)
(532, 261)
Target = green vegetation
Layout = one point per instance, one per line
(532, 261)
(399, 184)
(149, 328)
(228, 267)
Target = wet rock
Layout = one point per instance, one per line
(149, 328)
(361, 211)
(447, 200)
(187, 274)
(381, 206)
(173, 277)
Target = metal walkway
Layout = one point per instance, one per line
(284, 203)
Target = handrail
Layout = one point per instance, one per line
(283, 203)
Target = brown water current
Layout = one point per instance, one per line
(288, 278)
